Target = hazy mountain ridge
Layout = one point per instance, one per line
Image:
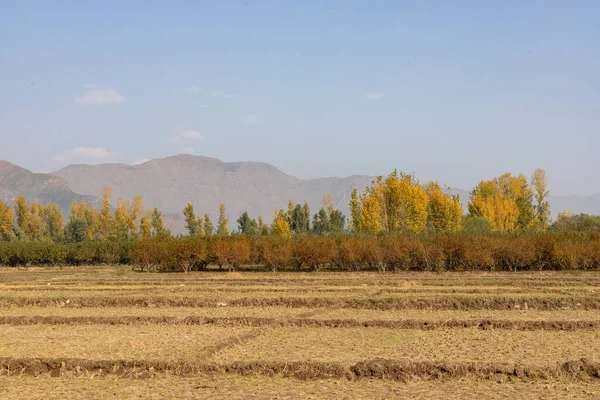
(41, 188)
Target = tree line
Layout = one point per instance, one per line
(398, 203)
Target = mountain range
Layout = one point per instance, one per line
(170, 183)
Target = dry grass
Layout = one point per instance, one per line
(238, 387)
(444, 315)
(179, 312)
(181, 342)
(350, 345)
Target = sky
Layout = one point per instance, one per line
(454, 91)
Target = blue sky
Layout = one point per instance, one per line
(454, 91)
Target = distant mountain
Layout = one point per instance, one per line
(41, 188)
(172, 182)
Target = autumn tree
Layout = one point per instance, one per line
(105, 218)
(280, 226)
(506, 202)
(222, 227)
(541, 192)
(6, 222)
(136, 212)
(30, 220)
(191, 223)
(444, 211)
(21, 215)
(397, 203)
(123, 224)
(208, 226)
(54, 222)
(146, 225)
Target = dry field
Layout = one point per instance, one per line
(106, 333)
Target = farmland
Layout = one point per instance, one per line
(111, 332)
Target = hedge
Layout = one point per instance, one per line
(442, 252)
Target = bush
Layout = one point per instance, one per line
(190, 253)
(315, 251)
(232, 251)
(356, 252)
(515, 252)
(275, 252)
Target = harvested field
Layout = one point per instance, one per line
(114, 333)
(351, 345)
(242, 387)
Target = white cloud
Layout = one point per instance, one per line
(89, 155)
(203, 106)
(374, 96)
(249, 119)
(186, 136)
(140, 161)
(194, 89)
(98, 97)
(223, 94)
(188, 150)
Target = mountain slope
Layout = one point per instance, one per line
(41, 188)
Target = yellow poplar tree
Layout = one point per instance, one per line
(21, 215)
(222, 227)
(493, 204)
(54, 222)
(281, 225)
(105, 220)
(542, 207)
(146, 225)
(123, 225)
(136, 211)
(444, 211)
(6, 222)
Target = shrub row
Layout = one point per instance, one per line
(346, 252)
(23, 253)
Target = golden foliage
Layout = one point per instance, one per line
(444, 211)
(397, 203)
(6, 222)
(280, 226)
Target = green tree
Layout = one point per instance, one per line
(337, 220)
(191, 223)
(158, 224)
(321, 223)
(76, 231)
(299, 221)
(246, 225)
